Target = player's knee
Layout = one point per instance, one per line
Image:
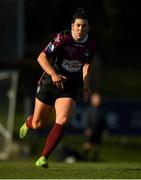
(62, 121)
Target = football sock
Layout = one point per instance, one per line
(53, 139)
(29, 122)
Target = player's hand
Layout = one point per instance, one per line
(86, 94)
(58, 80)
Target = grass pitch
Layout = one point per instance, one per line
(119, 159)
(83, 170)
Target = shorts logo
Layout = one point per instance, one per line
(71, 65)
(38, 89)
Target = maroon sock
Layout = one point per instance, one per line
(53, 139)
(29, 122)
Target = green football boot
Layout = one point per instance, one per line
(42, 162)
(23, 131)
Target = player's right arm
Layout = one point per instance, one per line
(48, 55)
(44, 62)
(46, 65)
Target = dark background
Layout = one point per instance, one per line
(114, 23)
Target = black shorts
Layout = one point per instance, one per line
(47, 92)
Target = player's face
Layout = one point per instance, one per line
(80, 28)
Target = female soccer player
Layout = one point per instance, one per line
(66, 62)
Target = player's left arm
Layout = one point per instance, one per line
(86, 80)
(87, 70)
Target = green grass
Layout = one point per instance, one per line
(119, 159)
(27, 170)
(113, 148)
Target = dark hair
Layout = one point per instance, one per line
(79, 13)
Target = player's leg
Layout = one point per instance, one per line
(37, 120)
(41, 114)
(64, 108)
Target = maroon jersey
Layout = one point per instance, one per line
(68, 55)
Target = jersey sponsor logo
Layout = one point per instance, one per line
(38, 89)
(50, 48)
(71, 65)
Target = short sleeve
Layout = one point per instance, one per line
(54, 46)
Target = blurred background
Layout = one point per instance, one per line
(26, 26)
